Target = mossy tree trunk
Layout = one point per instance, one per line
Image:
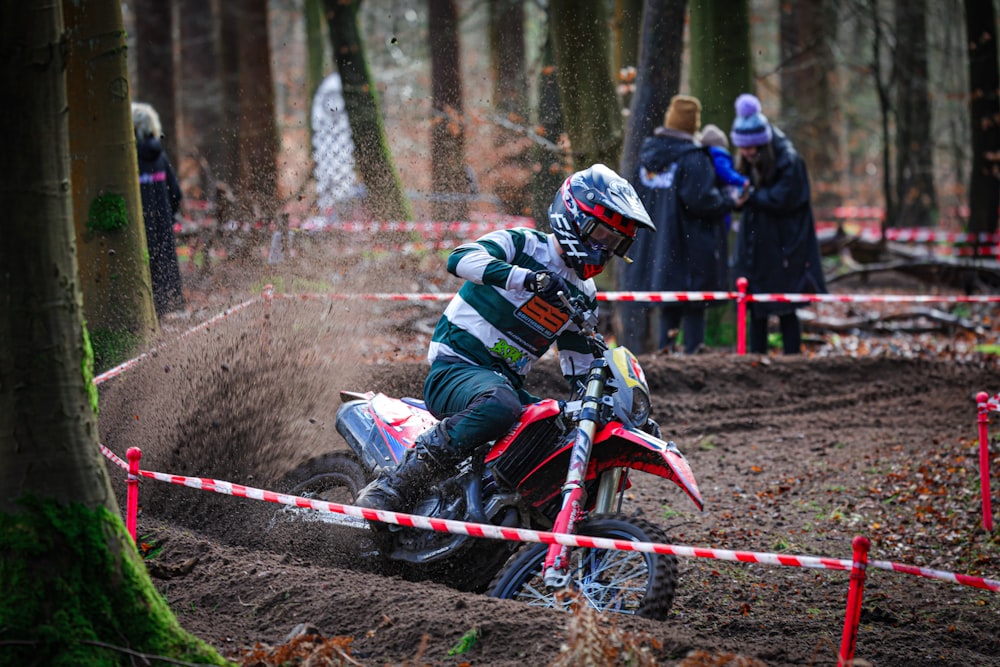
(721, 69)
(449, 182)
(107, 208)
(581, 41)
(74, 589)
(721, 60)
(627, 28)
(551, 163)
(385, 199)
(512, 173)
(315, 46)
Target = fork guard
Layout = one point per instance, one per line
(637, 449)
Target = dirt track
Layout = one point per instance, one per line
(793, 455)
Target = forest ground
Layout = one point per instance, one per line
(872, 436)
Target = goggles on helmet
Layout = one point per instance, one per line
(598, 234)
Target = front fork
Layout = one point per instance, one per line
(574, 494)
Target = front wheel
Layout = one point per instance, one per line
(623, 582)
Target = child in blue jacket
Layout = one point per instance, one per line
(717, 143)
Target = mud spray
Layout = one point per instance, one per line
(255, 395)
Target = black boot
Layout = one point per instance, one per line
(396, 489)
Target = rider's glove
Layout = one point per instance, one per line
(547, 285)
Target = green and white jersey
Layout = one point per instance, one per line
(495, 322)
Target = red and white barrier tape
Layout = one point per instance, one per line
(871, 298)
(627, 297)
(426, 227)
(411, 296)
(114, 458)
(120, 368)
(681, 297)
(666, 297)
(917, 235)
(525, 535)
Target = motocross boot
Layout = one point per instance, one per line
(396, 489)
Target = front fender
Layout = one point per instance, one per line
(619, 446)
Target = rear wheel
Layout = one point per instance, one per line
(623, 582)
(335, 477)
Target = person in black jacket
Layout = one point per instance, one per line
(689, 252)
(776, 247)
(161, 201)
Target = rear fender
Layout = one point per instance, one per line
(619, 446)
(380, 429)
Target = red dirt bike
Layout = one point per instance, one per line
(563, 467)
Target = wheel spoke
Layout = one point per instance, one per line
(612, 580)
(624, 582)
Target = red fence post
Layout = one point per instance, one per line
(132, 507)
(741, 315)
(856, 591)
(983, 407)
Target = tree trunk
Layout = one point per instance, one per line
(511, 175)
(315, 45)
(914, 143)
(448, 177)
(107, 209)
(658, 77)
(258, 145)
(581, 44)
(882, 90)
(385, 198)
(155, 65)
(810, 103)
(627, 29)
(74, 588)
(984, 109)
(200, 100)
(657, 80)
(721, 59)
(232, 45)
(550, 163)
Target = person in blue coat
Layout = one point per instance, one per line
(776, 248)
(161, 201)
(689, 252)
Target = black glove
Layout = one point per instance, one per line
(653, 429)
(547, 285)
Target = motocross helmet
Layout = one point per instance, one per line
(596, 213)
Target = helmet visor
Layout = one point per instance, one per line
(596, 233)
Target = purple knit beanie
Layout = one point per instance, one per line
(750, 128)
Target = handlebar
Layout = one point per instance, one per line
(586, 320)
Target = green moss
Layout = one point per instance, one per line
(87, 364)
(111, 348)
(107, 214)
(75, 588)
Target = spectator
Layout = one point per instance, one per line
(677, 184)
(161, 201)
(776, 247)
(735, 183)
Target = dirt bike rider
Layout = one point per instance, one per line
(505, 316)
